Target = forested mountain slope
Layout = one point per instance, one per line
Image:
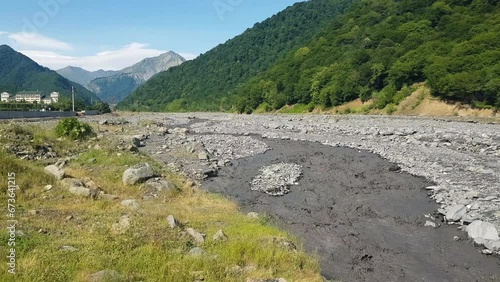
(18, 73)
(370, 51)
(378, 47)
(202, 83)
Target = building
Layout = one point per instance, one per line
(31, 97)
(7, 97)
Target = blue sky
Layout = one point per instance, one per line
(113, 34)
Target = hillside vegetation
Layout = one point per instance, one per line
(379, 47)
(18, 73)
(202, 84)
(61, 236)
(372, 51)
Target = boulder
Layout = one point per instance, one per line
(456, 212)
(137, 173)
(481, 229)
(197, 236)
(55, 171)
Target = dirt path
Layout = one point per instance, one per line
(359, 214)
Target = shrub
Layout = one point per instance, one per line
(74, 129)
(390, 109)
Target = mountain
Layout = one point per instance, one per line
(379, 49)
(116, 87)
(82, 76)
(373, 50)
(18, 72)
(200, 84)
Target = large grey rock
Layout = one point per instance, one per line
(137, 173)
(481, 229)
(105, 275)
(456, 212)
(197, 236)
(55, 171)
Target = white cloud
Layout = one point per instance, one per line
(188, 56)
(3, 33)
(24, 40)
(107, 60)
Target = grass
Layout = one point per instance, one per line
(149, 250)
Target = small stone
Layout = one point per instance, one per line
(456, 212)
(122, 226)
(33, 212)
(136, 142)
(137, 173)
(253, 215)
(133, 149)
(486, 252)
(203, 156)
(68, 218)
(105, 275)
(55, 171)
(132, 204)
(472, 195)
(72, 182)
(197, 251)
(429, 223)
(79, 191)
(456, 238)
(47, 188)
(220, 236)
(493, 245)
(172, 222)
(69, 249)
(197, 236)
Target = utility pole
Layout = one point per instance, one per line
(73, 95)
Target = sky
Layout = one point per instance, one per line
(114, 34)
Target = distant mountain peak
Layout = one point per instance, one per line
(120, 84)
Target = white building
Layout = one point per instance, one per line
(35, 97)
(29, 96)
(7, 97)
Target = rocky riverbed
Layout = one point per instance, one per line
(368, 218)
